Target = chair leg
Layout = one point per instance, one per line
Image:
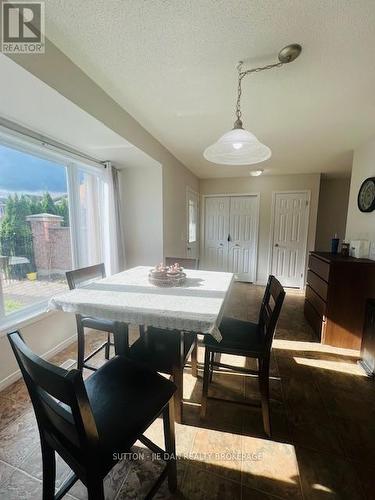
(265, 396)
(95, 489)
(49, 471)
(170, 446)
(194, 359)
(206, 376)
(178, 395)
(212, 357)
(107, 346)
(80, 347)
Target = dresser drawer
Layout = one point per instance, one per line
(320, 267)
(317, 284)
(317, 302)
(316, 322)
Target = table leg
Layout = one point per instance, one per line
(178, 379)
(121, 339)
(194, 358)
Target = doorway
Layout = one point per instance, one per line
(231, 235)
(289, 230)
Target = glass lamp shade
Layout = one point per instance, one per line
(237, 147)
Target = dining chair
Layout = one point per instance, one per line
(76, 279)
(251, 340)
(184, 262)
(93, 424)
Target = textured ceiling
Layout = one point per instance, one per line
(171, 64)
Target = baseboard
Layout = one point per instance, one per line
(13, 377)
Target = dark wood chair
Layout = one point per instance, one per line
(168, 351)
(76, 279)
(183, 261)
(92, 424)
(253, 340)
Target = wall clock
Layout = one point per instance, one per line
(366, 195)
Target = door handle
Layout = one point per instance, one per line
(276, 244)
(221, 244)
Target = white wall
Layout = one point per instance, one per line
(265, 185)
(142, 202)
(332, 212)
(361, 225)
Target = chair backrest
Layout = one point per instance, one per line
(270, 310)
(59, 398)
(85, 275)
(183, 261)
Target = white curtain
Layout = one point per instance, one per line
(113, 243)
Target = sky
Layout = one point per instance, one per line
(24, 173)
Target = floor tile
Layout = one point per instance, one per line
(270, 467)
(6, 471)
(21, 486)
(200, 484)
(18, 439)
(213, 449)
(326, 476)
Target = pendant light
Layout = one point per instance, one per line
(238, 146)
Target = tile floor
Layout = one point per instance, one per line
(323, 410)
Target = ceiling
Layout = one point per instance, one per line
(171, 64)
(38, 107)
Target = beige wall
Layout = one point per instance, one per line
(60, 73)
(361, 225)
(265, 186)
(46, 336)
(332, 212)
(142, 201)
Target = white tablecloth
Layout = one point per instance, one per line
(197, 306)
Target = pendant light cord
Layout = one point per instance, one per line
(241, 76)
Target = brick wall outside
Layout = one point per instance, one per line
(51, 242)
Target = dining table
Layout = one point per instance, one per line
(129, 298)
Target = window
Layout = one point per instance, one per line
(49, 223)
(192, 202)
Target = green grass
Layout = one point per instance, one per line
(11, 306)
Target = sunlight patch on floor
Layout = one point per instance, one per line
(342, 367)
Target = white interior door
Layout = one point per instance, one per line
(192, 210)
(243, 228)
(231, 235)
(216, 230)
(289, 238)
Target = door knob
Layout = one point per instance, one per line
(220, 244)
(276, 244)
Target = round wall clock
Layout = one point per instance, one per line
(366, 195)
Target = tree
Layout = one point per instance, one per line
(15, 231)
(62, 209)
(47, 204)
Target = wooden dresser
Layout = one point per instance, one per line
(336, 292)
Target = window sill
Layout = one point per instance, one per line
(24, 318)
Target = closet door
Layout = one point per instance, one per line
(216, 233)
(243, 235)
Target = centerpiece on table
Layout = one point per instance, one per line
(165, 276)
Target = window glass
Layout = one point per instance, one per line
(35, 233)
